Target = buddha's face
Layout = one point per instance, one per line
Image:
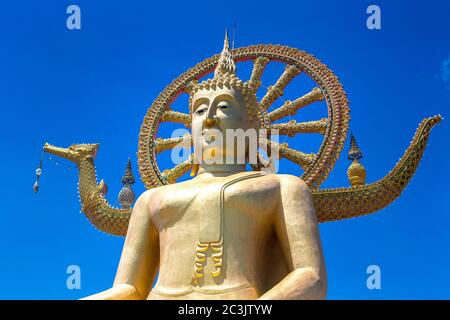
(214, 112)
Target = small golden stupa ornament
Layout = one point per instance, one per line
(126, 196)
(356, 172)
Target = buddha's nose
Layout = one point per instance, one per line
(209, 122)
(211, 118)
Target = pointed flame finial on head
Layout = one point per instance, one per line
(226, 43)
(226, 63)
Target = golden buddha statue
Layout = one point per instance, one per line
(229, 233)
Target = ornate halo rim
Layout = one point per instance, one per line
(335, 97)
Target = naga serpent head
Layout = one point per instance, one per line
(75, 153)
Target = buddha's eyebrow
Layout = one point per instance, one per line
(223, 97)
(199, 101)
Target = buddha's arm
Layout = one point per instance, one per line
(140, 257)
(296, 229)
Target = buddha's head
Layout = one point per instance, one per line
(218, 106)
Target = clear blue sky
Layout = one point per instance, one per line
(95, 84)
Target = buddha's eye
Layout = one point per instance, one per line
(222, 106)
(200, 111)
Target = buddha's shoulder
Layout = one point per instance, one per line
(282, 181)
(288, 182)
(168, 188)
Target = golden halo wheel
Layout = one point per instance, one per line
(316, 166)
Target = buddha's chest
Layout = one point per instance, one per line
(207, 209)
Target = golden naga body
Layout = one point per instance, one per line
(229, 233)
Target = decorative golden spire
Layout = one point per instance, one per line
(354, 152)
(128, 177)
(126, 196)
(226, 65)
(356, 172)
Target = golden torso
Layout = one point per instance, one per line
(245, 224)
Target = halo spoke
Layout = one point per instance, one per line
(291, 107)
(304, 160)
(260, 64)
(170, 143)
(276, 90)
(178, 117)
(171, 175)
(291, 128)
